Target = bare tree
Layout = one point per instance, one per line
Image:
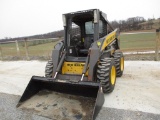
(150, 23)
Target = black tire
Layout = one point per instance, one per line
(49, 69)
(104, 74)
(119, 62)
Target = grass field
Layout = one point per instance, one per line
(42, 49)
(128, 42)
(137, 41)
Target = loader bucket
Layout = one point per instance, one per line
(62, 100)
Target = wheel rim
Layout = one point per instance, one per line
(122, 63)
(113, 75)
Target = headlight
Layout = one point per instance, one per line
(96, 16)
(64, 20)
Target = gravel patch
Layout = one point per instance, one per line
(138, 89)
(119, 114)
(8, 111)
(140, 57)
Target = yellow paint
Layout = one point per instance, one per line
(99, 43)
(122, 63)
(113, 75)
(74, 68)
(109, 38)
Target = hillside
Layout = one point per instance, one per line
(130, 24)
(150, 24)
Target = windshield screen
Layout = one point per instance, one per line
(89, 27)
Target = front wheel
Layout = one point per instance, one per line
(106, 74)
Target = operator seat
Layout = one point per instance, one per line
(88, 40)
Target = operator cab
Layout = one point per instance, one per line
(81, 30)
(83, 39)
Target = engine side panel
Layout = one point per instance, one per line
(73, 68)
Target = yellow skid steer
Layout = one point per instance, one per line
(83, 67)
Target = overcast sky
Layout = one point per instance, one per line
(29, 17)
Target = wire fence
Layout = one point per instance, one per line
(27, 49)
(41, 49)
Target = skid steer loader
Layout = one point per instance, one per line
(83, 66)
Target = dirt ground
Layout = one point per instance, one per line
(58, 106)
(140, 57)
(8, 111)
(137, 90)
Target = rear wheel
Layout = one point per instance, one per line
(119, 62)
(49, 69)
(106, 74)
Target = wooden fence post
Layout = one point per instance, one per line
(157, 45)
(17, 46)
(26, 48)
(1, 55)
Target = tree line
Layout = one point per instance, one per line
(133, 23)
(55, 34)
